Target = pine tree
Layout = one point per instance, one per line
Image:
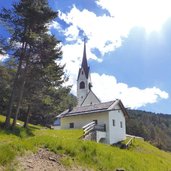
(27, 22)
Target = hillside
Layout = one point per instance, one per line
(75, 152)
(155, 128)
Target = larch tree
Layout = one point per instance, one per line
(32, 46)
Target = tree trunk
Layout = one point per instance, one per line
(18, 103)
(11, 100)
(21, 91)
(27, 117)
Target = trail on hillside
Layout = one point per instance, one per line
(44, 160)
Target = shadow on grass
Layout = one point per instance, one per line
(18, 131)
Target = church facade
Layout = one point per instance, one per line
(111, 116)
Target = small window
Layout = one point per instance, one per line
(82, 72)
(104, 127)
(113, 122)
(71, 125)
(82, 85)
(121, 125)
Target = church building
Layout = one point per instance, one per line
(107, 120)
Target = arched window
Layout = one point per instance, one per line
(82, 85)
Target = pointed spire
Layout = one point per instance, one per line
(84, 60)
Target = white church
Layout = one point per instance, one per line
(105, 121)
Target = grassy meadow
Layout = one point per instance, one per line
(141, 156)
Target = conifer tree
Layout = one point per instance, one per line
(32, 46)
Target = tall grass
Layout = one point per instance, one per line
(140, 157)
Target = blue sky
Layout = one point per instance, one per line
(128, 48)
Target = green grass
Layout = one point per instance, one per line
(141, 156)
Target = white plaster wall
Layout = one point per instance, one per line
(116, 133)
(81, 120)
(99, 135)
(90, 99)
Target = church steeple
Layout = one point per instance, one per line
(85, 95)
(83, 80)
(84, 61)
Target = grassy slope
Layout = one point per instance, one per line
(140, 157)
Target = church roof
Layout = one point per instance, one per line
(84, 64)
(95, 108)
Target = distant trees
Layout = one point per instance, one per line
(37, 55)
(155, 128)
(41, 103)
(7, 73)
(49, 103)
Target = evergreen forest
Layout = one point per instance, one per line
(155, 128)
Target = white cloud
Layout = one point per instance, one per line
(105, 33)
(71, 33)
(54, 25)
(124, 15)
(150, 14)
(107, 88)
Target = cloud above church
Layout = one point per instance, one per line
(105, 33)
(149, 14)
(107, 88)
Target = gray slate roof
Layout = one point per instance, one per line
(84, 62)
(101, 107)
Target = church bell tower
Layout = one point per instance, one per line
(83, 80)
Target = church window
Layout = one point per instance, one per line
(113, 122)
(82, 85)
(104, 127)
(71, 125)
(121, 124)
(82, 72)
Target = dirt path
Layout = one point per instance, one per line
(1, 168)
(44, 160)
